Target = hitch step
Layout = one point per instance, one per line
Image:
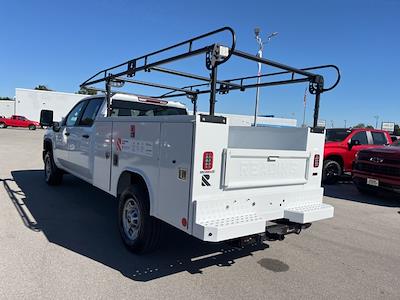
(278, 231)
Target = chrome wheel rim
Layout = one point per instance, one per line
(47, 169)
(2, 125)
(131, 219)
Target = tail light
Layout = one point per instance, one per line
(316, 160)
(208, 160)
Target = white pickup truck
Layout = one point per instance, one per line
(198, 173)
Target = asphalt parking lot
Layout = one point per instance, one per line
(62, 242)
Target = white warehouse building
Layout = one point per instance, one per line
(7, 108)
(29, 103)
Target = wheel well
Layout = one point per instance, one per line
(47, 146)
(336, 158)
(128, 178)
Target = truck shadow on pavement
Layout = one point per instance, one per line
(347, 191)
(83, 219)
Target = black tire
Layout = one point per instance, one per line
(331, 172)
(141, 232)
(3, 125)
(52, 174)
(32, 127)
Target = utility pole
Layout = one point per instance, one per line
(376, 121)
(260, 54)
(345, 123)
(305, 105)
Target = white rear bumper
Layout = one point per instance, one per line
(309, 213)
(220, 229)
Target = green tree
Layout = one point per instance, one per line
(41, 87)
(84, 91)
(362, 125)
(396, 129)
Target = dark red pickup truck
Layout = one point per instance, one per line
(378, 169)
(341, 146)
(18, 121)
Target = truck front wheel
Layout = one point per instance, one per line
(331, 171)
(52, 174)
(140, 232)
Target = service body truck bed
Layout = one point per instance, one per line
(214, 181)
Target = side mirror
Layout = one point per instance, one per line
(354, 143)
(46, 117)
(56, 126)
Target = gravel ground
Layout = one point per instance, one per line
(62, 243)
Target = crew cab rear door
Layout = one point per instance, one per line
(23, 122)
(380, 138)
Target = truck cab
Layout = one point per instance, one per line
(341, 146)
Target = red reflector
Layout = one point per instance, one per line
(316, 160)
(184, 222)
(208, 160)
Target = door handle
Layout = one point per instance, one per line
(86, 136)
(67, 133)
(273, 158)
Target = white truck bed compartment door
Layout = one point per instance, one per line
(251, 168)
(102, 155)
(175, 169)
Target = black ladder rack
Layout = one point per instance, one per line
(216, 54)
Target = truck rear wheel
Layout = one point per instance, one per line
(52, 174)
(3, 125)
(140, 232)
(331, 171)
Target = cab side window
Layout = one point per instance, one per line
(361, 137)
(74, 114)
(379, 138)
(90, 112)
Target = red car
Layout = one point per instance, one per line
(18, 121)
(378, 169)
(341, 146)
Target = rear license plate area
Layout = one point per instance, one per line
(373, 182)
